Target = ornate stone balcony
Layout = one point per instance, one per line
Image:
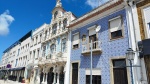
(54, 58)
(96, 48)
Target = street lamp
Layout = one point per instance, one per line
(91, 47)
(130, 56)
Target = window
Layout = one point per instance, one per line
(96, 79)
(34, 54)
(83, 38)
(74, 73)
(16, 62)
(40, 37)
(55, 14)
(115, 26)
(75, 41)
(149, 28)
(53, 48)
(59, 24)
(64, 23)
(119, 71)
(18, 51)
(36, 40)
(96, 76)
(44, 50)
(146, 18)
(63, 47)
(54, 29)
(45, 35)
(30, 55)
(92, 36)
(38, 52)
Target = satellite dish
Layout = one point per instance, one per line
(98, 28)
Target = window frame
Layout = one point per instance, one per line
(73, 40)
(111, 68)
(122, 28)
(54, 48)
(65, 21)
(54, 29)
(55, 14)
(62, 44)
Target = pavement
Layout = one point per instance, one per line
(9, 82)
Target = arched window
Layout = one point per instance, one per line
(55, 14)
(54, 29)
(63, 45)
(59, 24)
(64, 23)
(53, 48)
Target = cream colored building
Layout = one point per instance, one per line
(32, 70)
(17, 56)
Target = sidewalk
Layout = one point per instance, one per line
(9, 82)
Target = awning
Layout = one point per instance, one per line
(16, 69)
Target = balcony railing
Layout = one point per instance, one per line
(96, 48)
(56, 57)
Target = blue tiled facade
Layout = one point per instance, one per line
(110, 48)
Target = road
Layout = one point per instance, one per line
(9, 82)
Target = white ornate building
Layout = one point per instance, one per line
(56, 46)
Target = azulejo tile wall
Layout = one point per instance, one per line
(109, 48)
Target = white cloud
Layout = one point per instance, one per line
(5, 20)
(95, 3)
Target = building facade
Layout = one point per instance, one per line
(54, 62)
(59, 52)
(143, 12)
(15, 58)
(106, 30)
(32, 71)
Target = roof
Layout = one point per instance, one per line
(107, 6)
(19, 41)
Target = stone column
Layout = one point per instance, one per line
(46, 77)
(54, 81)
(54, 70)
(58, 78)
(43, 78)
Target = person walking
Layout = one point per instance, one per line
(41, 77)
(5, 78)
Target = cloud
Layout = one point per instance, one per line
(95, 3)
(5, 20)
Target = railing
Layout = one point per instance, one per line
(95, 46)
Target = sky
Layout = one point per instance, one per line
(17, 17)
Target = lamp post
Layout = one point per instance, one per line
(91, 48)
(130, 56)
(91, 63)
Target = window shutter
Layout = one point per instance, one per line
(76, 39)
(92, 31)
(146, 14)
(115, 24)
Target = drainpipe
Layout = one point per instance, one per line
(131, 3)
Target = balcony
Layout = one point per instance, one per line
(86, 49)
(58, 57)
